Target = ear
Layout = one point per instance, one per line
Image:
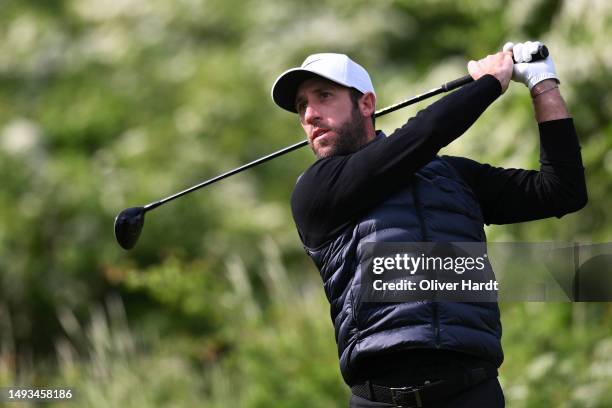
(367, 104)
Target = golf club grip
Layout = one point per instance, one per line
(459, 82)
(540, 55)
(449, 86)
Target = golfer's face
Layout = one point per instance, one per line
(324, 108)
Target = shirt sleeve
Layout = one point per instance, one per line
(509, 195)
(336, 190)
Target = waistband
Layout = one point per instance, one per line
(426, 393)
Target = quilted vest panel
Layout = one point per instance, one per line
(435, 206)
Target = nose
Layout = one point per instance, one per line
(311, 114)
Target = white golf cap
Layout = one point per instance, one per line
(338, 68)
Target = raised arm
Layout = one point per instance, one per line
(548, 103)
(508, 195)
(516, 195)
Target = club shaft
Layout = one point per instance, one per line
(227, 174)
(449, 86)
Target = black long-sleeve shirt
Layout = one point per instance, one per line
(336, 190)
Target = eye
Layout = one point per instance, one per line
(325, 95)
(300, 107)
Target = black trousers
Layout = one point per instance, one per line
(486, 394)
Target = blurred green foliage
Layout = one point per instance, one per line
(107, 105)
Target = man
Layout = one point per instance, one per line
(366, 187)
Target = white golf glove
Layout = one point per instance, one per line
(530, 73)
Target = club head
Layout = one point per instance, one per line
(128, 225)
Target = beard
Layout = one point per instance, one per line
(351, 135)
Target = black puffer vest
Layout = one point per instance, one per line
(437, 206)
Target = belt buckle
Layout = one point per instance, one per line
(398, 392)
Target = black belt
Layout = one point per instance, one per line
(418, 395)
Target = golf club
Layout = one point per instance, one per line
(129, 222)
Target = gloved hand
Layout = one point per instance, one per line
(530, 73)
